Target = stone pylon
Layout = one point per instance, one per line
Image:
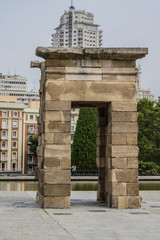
(103, 78)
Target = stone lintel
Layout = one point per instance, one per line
(92, 53)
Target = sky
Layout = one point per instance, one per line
(27, 24)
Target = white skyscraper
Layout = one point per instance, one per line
(77, 28)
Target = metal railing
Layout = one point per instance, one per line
(4, 127)
(3, 159)
(85, 173)
(4, 137)
(4, 149)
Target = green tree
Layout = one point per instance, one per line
(149, 136)
(34, 144)
(84, 143)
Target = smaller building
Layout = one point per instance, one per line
(17, 124)
(17, 86)
(142, 93)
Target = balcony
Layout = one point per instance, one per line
(31, 131)
(30, 152)
(30, 162)
(4, 138)
(4, 149)
(4, 127)
(4, 160)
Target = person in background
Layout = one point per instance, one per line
(73, 170)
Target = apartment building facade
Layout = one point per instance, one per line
(77, 28)
(142, 93)
(15, 123)
(15, 85)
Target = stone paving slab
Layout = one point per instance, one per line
(22, 218)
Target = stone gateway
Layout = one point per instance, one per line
(103, 78)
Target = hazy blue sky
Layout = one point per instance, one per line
(26, 24)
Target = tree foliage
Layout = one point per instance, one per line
(34, 144)
(84, 144)
(149, 135)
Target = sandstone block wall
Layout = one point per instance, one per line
(101, 78)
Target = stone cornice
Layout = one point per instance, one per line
(92, 53)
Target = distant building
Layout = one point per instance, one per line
(142, 93)
(15, 85)
(17, 123)
(77, 28)
(74, 118)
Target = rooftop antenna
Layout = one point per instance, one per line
(71, 7)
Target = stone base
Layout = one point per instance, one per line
(133, 202)
(53, 202)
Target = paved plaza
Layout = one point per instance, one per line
(22, 218)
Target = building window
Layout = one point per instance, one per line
(3, 156)
(4, 134)
(3, 166)
(15, 123)
(31, 129)
(72, 118)
(31, 117)
(30, 159)
(4, 123)
(14, 144)
(15, 114)
(14, 155)
(4, 114)
(14, 167)
(73, 109)
(30, 170)
(72, 129)
(3, 145)
(14, 134)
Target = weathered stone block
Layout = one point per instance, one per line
(55, 176)
(57, 163)
(120, 163)
(124, 127)
(118, 189)
(66, 116)
(57, 105)
(124, 151)
(87, 90)
(123, 116)
(53, 127)
(52, 116)
(123, 175)
(60, 63)
(134, 202)
(51, 162)
(123, 64)
(90, 63)
(49, 138)
(83, 77)
(57, 151)
(52, 190)
(122, 202)
(55, 70)
(62, 138)
(55, 77)
(54, 202)
(132, 139)
(123, 106)
(65, 162)
(132, 162)
(113, 201)
(118, 139)
(132, 189)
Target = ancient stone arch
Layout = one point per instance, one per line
(104, 78)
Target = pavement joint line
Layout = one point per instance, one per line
(59, 224)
